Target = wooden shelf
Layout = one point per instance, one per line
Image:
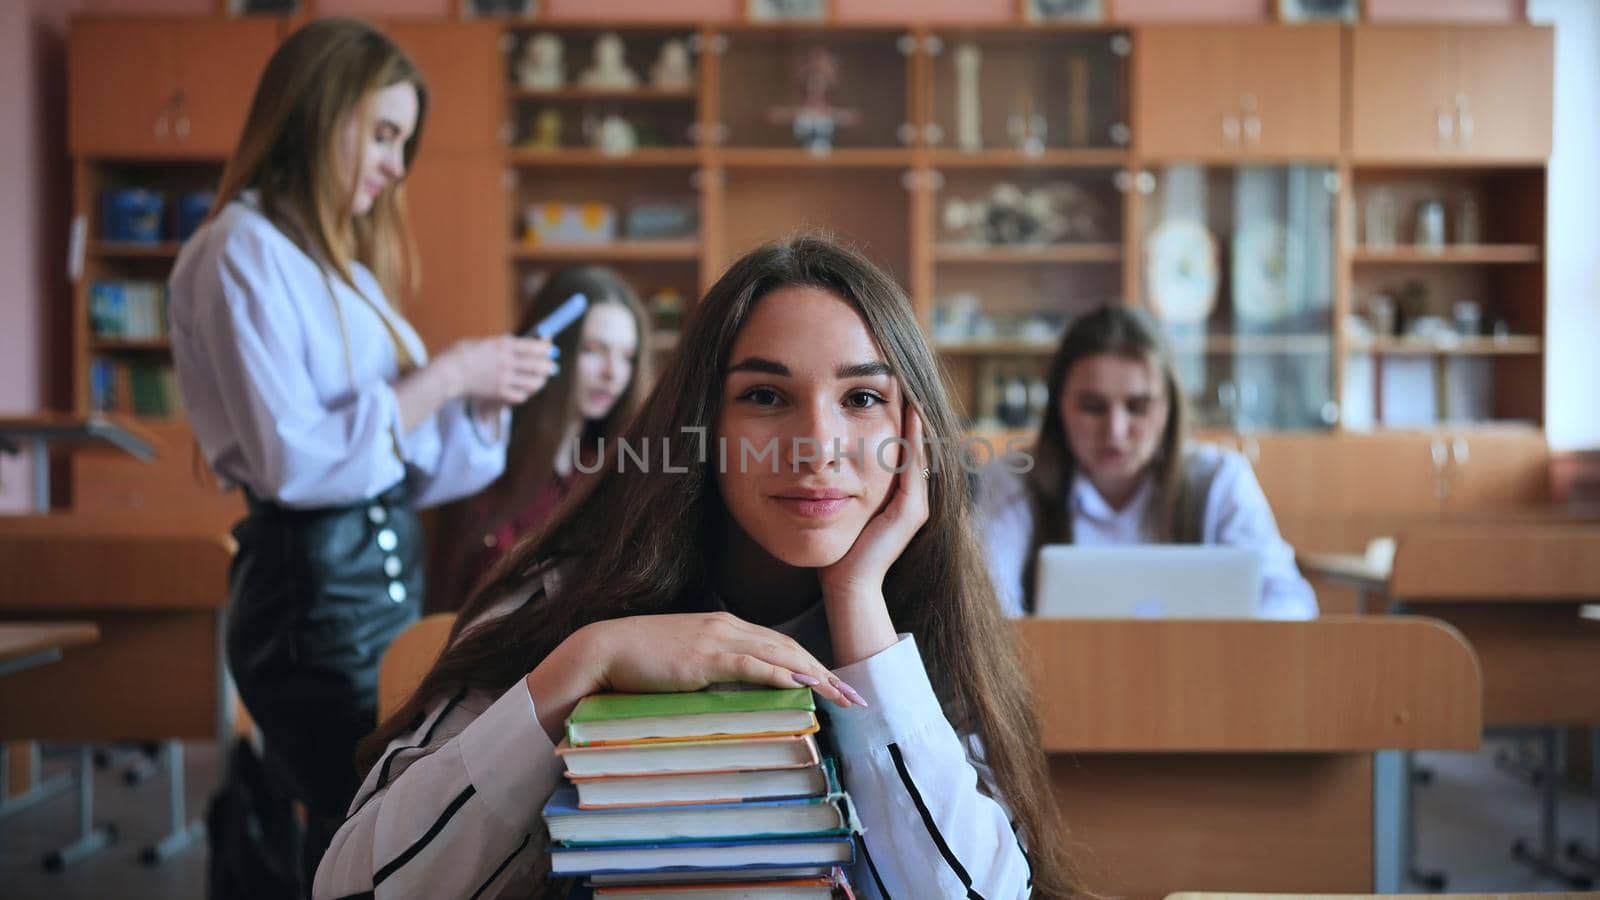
(576, 94)
(1460, 254)
(619, 251)
(584, 156)
(134, 249)
(1088, 158)
(1514, 345)
(130, 345)
(785, 158)
(996, 347)
(1311, 344)
(1040, 253)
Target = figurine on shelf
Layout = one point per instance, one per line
(1026, 126)
(546, 130)
(610, 71)
(969, 133)
(672, 71)
(816, 119)
(615, 136)
(539, 64)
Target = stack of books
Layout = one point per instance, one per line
(716, 793)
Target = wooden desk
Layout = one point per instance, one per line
(24, 645)
(155, 592)
(1515, 589)
(1241, 754)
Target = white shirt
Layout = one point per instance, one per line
(452, 809)
(277, 405)
(1236, 515)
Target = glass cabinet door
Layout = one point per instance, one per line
(1027, 91)
(1238, 267)
(799, 89)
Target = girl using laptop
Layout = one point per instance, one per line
(788, 525)
(1112, 466)
(558, 434)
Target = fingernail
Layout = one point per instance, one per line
(806, 680)
(555, 352)
(848, 692)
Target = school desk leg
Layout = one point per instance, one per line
(31, 791)
(90, 840)
(181, 831)
(1543, 861)
(1389, 822)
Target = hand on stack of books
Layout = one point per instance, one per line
(715, 793)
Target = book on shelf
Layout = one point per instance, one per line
(827, 814)
(128, 310)
(688, 757)
(754, 857)
(688, 788)
(717, 712)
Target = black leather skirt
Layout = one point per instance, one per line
(315, 597)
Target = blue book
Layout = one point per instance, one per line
(754, 856)
(828, 814)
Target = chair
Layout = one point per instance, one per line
(409, 658)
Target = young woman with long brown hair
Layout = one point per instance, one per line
(844, 560)
(309, 391)
(1113, 465)
(557, 434)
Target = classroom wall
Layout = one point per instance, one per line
(34, 175)
(33, 198)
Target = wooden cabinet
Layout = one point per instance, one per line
(172, 88)
(1421, 92)
(464, 69)
(1222, 92)
(458, 212)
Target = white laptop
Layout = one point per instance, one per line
(1148, 581)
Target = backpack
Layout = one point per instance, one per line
(253, 834)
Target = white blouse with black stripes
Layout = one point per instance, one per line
(452, 808)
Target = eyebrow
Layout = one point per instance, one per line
(771, 367)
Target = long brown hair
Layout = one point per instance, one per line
(539, 426)
(1121, 331)
(288, 151)
(638, 542)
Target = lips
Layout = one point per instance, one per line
(812, 503)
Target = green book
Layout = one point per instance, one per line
(718, 712)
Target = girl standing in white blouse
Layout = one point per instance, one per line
(841, 558)
(1112, 465)
(310, 392)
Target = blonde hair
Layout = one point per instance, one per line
(288, 151)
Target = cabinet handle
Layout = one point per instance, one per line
(1252, 129)
(1464, 122)
(1230, 131)
(1447, 128)
(162, 127)
(933, 134)
(1460, 451)
(1440, 454)
(181, 127)
(1145, 182)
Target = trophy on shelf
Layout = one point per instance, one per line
(672, 70)
(816, 118)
